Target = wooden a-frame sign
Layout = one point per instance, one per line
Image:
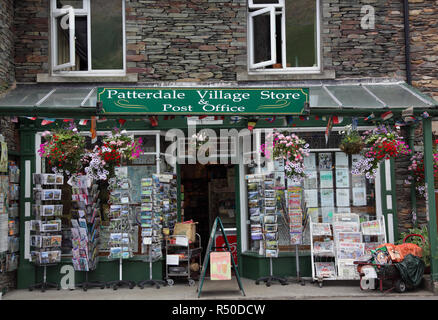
(210, 249)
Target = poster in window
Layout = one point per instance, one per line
(325, 161)
(313, 214)
(279, 180)
(311, 198)
(359, 196)
(310, 162)
(327, 198)
(326, 179)
(311, 181)
(342, 197)
(358, 181)
(341, 159)
(327, 214)
(342, 178)
(279, 165)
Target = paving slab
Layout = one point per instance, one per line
(225, 290)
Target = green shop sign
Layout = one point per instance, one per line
(201, 101)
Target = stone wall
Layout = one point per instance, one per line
(356, 52)
(424, 45)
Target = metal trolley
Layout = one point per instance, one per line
(187, 254)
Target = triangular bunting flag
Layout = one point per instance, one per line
(251, 124)
(31, 118)
(99, 119)
(153, 120)
(122, 121)
(67, 120)
(235, 119)
(47, 121)
(328, 129)
(386, 115)
(337, 120)
(83, 122)
(370, 117)
(289, 119)
(316, 117)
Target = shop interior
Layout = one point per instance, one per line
(208, 192)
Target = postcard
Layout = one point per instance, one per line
(269, 219)
(327, 214)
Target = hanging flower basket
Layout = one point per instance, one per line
(416, 175)
(292, 149)
(380, 144)
(352, 142)
(117, 148)
(63, 149)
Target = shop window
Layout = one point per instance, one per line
(329, 189)
(284, 35)
(87, 38)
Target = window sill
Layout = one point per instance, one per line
(47, 78)
(282, 76)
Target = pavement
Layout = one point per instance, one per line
(228, 290)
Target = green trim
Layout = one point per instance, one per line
(430, 183)
(393, 194)
(238, 214)
(411, 142)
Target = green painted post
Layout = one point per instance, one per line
(430, 184)
(413, 193)
(393, 193)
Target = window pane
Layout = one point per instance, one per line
(106, 34)
(262, 38)
(76, 4)
(81, 43)
(63, 43)
(265, 1)
(300, 33)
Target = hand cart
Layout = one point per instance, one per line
(186, 255)
(386, 272)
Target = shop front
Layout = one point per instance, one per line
(210, 141)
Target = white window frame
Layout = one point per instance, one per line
(256, 68)
(85, 11)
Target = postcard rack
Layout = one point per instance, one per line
(46, 227)
(262, 206)
(85, 227)
(120, 241)
(150, 222)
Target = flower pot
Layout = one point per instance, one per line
(351, 148)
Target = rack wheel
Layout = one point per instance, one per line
(141, 287)
(170, 282)
(131, 286)
(320, 284)
(157, 286)
(30, 289)
(268, 284)
(84, 288)
(115, 287)
(400, 286)
(102, 286)
(191, 282)
(256, 282)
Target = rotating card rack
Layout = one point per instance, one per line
(120, 229)
(46, 226)
(150, 222)
(85, 227)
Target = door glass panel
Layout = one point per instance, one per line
(76, 4)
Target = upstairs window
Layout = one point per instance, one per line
(284, 35)
(88, 36)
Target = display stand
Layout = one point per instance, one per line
(85, 227)
(150, 222)
(341, 243)
(46, 230)
(263, 212)
(121, 229)
(217, 223)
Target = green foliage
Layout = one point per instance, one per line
(425, 246)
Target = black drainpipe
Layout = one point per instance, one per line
(407, 41)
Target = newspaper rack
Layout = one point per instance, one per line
(343, 241)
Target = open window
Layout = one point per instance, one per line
(64, 30)
(284, 35)
(87, 39)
